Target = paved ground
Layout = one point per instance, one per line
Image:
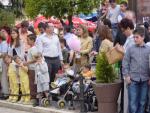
(7, 110)
(6, 107)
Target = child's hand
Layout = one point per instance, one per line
(21, 65)
(39, 61)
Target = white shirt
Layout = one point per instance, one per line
(30, 56)
(3, 47)
(113, 14)
(69, 36)
(148, 44)
(121, 16)
(49, 46)
(129, 42)
(19, 50)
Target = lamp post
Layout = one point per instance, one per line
(79, 66)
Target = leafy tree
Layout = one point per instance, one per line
(59, 8)
(16, 6)
(6, 18)
(9, 12)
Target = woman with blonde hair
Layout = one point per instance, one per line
(106, 37)
(86, 43)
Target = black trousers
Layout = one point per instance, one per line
(53, 66)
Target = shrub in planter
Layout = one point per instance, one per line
(107, 88)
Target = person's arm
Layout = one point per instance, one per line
(25, 68)
(22, 49)
(126, 66)
(43, 68)
(4, 49)
(59, 50)
(39, 44)
(29, 62)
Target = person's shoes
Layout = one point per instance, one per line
(14, 101)
(20, 102)
(34, 102)
(4, 97)
(9, 100)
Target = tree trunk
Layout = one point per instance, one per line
(70, 21)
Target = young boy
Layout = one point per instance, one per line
(64, 50)
(123, 9)
(42, 77)
(13, 79)
(136, 72)
(24, 80)
(31, 66)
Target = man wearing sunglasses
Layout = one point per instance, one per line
(136, 72)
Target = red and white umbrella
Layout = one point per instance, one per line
(76, 21)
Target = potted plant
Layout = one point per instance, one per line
(106, 87)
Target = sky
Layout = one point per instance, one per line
(5, 2)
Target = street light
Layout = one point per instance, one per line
(79, 66)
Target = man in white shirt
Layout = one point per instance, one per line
(49, 45)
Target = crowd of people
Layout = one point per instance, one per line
(30, 60)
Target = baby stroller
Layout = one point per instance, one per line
(90, 101)
(60, 92)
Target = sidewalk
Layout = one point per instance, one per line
(29, 108)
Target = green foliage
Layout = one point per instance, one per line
(17, 8)
(6, 18)
(59, 8)
(105, 73)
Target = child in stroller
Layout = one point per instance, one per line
(61, 85)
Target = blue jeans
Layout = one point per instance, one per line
(114, 30)
(137, 96)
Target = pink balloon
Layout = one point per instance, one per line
(74, 44)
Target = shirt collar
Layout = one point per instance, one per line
(144, 45)
(130, 37)
(45, 34)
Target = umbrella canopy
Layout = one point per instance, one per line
(76, 21)
(38, 20)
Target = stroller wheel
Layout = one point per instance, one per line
(45, 102)
(42, 102)
(61, 104)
